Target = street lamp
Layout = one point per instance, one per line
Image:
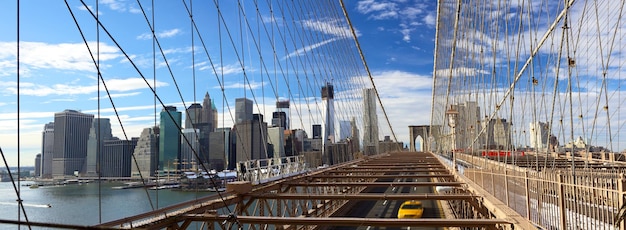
(452, 115)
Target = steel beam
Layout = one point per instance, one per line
(364, 196)
(375, 184)
(348, 221)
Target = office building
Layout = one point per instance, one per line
(190, 149)
(99, 132)
(219, 153)
(328, 96)
(193, 116)
(355, 135)
(251, 139)
(146, 153)
(276, 137)
(497, 134)
(209, 113)
(243, 110)
(370, 123)
(279, 119)
(345, 130)
(539, 135)
(466, 124)
(116, 157)
(282, 108)
(317, 132)
(71, 132)
(169, 139)
(47, 150)
(38, 165)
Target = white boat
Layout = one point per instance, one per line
(165, 187)
(220, 189)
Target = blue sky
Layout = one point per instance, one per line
(57, 73)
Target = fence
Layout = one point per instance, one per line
(553, 198)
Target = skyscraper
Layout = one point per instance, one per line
(99, 132)
(282, 108)
(345, 130)
(38, 165)
(71, 132)
(219, 153)
(539, 135)
(146, 153)
(116, 157)
(209, 113)
(279, 119)
(251, 138)
(169, 139)
(194, 116)
(189, 148)
(276, 137)
(497, 134)
(370, 123)
(317, 132)
(47, 150)
(328, 96)
(243, 110)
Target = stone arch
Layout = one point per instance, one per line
(426, 132)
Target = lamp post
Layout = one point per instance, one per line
(452, 115)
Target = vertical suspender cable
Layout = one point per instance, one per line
(20, 205)
(156, 193)
(19, 199)
(98, 140)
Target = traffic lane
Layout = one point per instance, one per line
(389, 208)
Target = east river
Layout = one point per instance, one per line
(84, 204)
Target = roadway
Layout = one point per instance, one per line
(389, 208)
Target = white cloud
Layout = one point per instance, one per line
(120, 6)
(134, 10)
(302, 50)
(62, 56)
(460, 72)
(161, 34)
(406, 34)
(330, 27)
(430, 19)
(379, 10)
(237, 85)
(408, 15)
(88, 8)
(114, 85)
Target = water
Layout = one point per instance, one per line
(79, 204)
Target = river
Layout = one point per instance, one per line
(84, 204)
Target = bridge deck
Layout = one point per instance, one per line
(333, 196)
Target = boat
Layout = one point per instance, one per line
(34, 186)
(213, 189)
(165, 187)
(132, 185)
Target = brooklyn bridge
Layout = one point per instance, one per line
(520, 127)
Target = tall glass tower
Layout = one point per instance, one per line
(169, 139)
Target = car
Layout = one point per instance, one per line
(410, 209)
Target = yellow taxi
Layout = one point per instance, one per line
(411, 209)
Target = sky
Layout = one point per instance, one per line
(56, 71)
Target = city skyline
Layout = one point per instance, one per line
(72, 83)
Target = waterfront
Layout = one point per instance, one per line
(80, 204)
